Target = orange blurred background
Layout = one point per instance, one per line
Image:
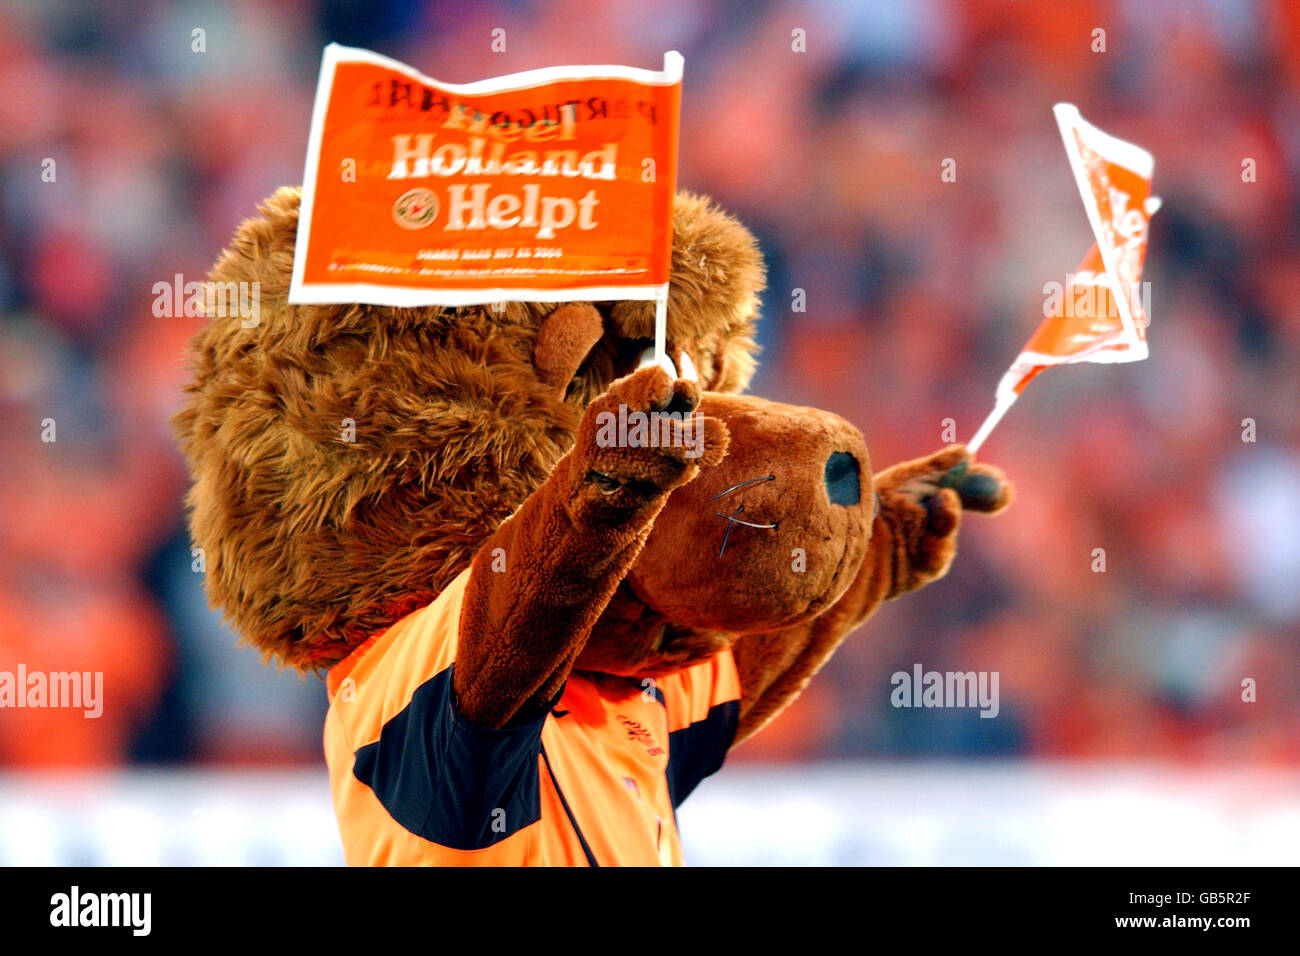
(919, 293)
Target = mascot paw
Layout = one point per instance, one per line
(643, 438)
(925, 499)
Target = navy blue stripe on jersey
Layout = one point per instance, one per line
(697, 751)
(449, 781)
(573, 821)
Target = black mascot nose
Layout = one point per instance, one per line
(842, 479)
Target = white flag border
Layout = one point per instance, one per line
(367, 293)
(322, 293)
(1102, 355)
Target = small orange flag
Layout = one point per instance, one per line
(1101, 312)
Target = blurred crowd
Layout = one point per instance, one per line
(128, 156)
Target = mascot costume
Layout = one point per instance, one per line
(542, 623)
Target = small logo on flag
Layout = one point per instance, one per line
(415, 208)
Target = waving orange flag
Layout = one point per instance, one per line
(550, 185)
(1100, 314)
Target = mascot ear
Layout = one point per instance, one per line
(563, 341)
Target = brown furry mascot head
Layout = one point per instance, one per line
(348, 460)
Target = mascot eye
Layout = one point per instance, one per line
(648, 358)
(604, 482)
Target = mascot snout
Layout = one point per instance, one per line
(786, 518)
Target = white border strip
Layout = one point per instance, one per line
(669, 75)
(402, 297)
(324, 86)
(1103, 355)
(369, 293)
(1121, 151)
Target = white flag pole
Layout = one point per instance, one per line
(995, 416)
(661, 325)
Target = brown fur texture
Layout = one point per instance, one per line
(314, 541)
(350, 460)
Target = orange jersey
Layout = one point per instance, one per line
(593, 779)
